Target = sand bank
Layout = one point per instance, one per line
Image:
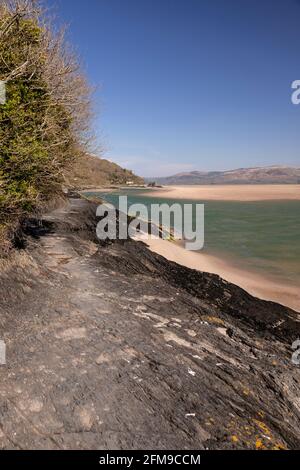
(255, 284)
(229, 192)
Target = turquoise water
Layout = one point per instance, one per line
(262, 236)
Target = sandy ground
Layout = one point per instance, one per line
(255, 284)
(230, 192)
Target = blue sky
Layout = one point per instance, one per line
(190, 84)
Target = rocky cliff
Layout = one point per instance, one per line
(110, 346)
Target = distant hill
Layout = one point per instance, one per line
(258, 175)
(91, 171)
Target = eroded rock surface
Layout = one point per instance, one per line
(114, 347)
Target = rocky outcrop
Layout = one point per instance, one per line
(113, 347)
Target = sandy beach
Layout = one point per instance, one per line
(256, 284)
(229, 192)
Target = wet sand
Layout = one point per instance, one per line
(229, 192)
(256, 284)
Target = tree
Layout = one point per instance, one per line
(45, 121)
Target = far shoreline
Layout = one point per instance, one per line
(241, 192)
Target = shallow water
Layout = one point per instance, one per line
(261, 236)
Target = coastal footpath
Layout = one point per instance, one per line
(111, 346)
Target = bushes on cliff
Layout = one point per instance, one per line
(44, 123)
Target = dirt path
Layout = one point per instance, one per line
(104, 353)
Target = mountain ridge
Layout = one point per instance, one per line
(275, 174)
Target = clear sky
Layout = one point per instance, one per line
(191, 84)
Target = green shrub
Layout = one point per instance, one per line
(44, 122)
